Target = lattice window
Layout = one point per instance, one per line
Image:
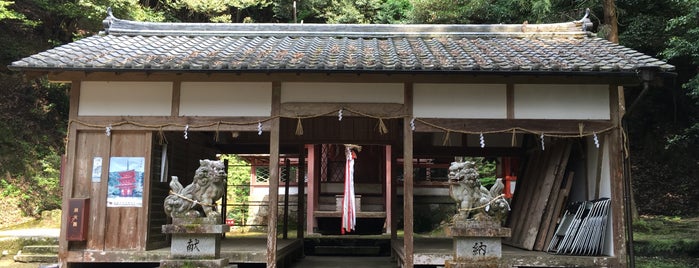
(336, 171)
(292, 171)
(262, 174)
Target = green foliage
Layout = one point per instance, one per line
(486, 169)
(346, 11)
(238, 186)
(665, 262)
(683, 42)
(666, 236)
(480, 11)
(394, 11)
(8, 14)
(29, 151)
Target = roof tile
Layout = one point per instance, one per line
(386, 48)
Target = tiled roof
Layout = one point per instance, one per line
(142, 46)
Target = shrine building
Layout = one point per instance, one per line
(148, 100)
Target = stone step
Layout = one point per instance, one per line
(39, 258)
(15, 244)
(40, 249)
(38, 253)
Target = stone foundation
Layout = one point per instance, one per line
(476, 244)
(196, 242)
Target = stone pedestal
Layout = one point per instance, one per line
(196, 242)
(477, 244)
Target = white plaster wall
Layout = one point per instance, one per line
(225, 99)
(460, 100)
(342, 92)
(109, 98)
(258, 193)
(539, 101)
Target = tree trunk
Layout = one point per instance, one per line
(610, 20)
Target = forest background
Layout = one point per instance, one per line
(663, 124)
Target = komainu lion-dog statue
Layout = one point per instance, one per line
(197, 199)
(474, 201)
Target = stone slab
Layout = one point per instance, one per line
(190, 246)
(200, 220)
(477, 248)
(463, 264)
(479, 232)
(195, 229)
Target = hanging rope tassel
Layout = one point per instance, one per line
(445, 142)
(382, 127)
(161, 137)
(299, 127)
(514, 138)
(218, 126)
(580, 129)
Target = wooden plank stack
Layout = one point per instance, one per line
(538, 202)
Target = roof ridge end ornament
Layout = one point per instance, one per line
(585, 21)
(107, 22)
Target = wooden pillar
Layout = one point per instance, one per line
(616, 155)
(312, 190)
(68, 163)
(389, 192)
(408, 178)
(287, 178)
(300, 200)
(272, 210)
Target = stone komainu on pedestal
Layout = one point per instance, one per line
(196, 225)
(476, 229)
(474, 201)
(205, 189)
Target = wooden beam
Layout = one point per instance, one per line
(144, 211)
(298, 109)
(510, 95)
(351, 76)
(273, 178)
(287, 178)
(176, 92)
(312, 189)
(170, 123)
(388, 193)
(425, 151)
(408, 179)
(548, 126)
(68, 172)
(300, 199)
(616, 158)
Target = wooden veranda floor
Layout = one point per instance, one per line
(434, 251)
(237, 250)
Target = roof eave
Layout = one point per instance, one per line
(623, 78)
